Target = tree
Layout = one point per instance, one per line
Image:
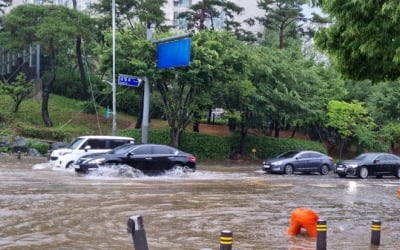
(50, 26)
(363, 41)
(18, 90)
(208, 10)
(349, 119)
(282, 16)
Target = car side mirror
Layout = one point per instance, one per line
(376, 161)
(129, 155)
(87, 148)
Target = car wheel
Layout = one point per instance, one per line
(363, 173)
(178, 170)
(69, 164)
(397, 173)
(288, 169)
(324, 169)
(342, 175)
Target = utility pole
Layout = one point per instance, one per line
(146, 95)
(114, 90)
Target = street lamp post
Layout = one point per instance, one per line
(114, 106)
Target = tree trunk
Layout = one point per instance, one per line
(175, 135)
(243, 137)
(81, 67)
(276, 129)
(47, 89)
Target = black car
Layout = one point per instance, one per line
(299, 161)
(148, 158)
(378, 164)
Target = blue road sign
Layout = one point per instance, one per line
(127, 80)
(173, 54)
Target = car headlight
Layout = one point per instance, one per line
(352, 165)
(277, 162)
(97, 161)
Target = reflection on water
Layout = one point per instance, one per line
(50, 208)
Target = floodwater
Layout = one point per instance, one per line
(46, 208)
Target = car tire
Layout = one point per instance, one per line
(69, 164)
(342, 175)
(288, 169)
(178, 170)
(397, 173)
(324, 169)
(363, 173)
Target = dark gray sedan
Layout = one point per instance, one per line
(305, 161)
(364, 165)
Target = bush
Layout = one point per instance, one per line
(267, 146)
(42, 147)
(205, 146)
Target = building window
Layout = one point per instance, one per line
(182, 3)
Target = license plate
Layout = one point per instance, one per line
(267, 166)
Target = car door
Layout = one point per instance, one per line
(315, 161)
(162, 157)
(380, 165)
(301, 162)
(391, 163)
(140, 157)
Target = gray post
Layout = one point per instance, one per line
(146, 105)
(114, 88)
(146, 95)
(19, 155)
(136, 228)
(376, 232)
(321, 235)
(226, 240)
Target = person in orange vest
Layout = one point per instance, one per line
(303, 218)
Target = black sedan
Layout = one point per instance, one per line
(148, 158)
(299, 161)
(377, 164)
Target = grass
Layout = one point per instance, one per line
(66, 114)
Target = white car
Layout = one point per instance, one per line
(84, 145)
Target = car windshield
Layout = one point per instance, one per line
(363, 157)
(75, 143)
(289, 154)
(123, 149)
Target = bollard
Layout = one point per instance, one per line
(376, 232)
(19, 155)
(226, 240)
(398, 193)
(321, 235)
(136, 228)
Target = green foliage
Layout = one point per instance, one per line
(42, 147)
(347, 117)
(4, 149)
(18, 90)
(90, 107)
(222, 147)
(266, 146)
(363, 40)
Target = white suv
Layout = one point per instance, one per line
(84, 145)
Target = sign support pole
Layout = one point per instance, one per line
(146, 96)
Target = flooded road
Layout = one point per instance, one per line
(46, 208)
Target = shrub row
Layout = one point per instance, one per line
(222, 147)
